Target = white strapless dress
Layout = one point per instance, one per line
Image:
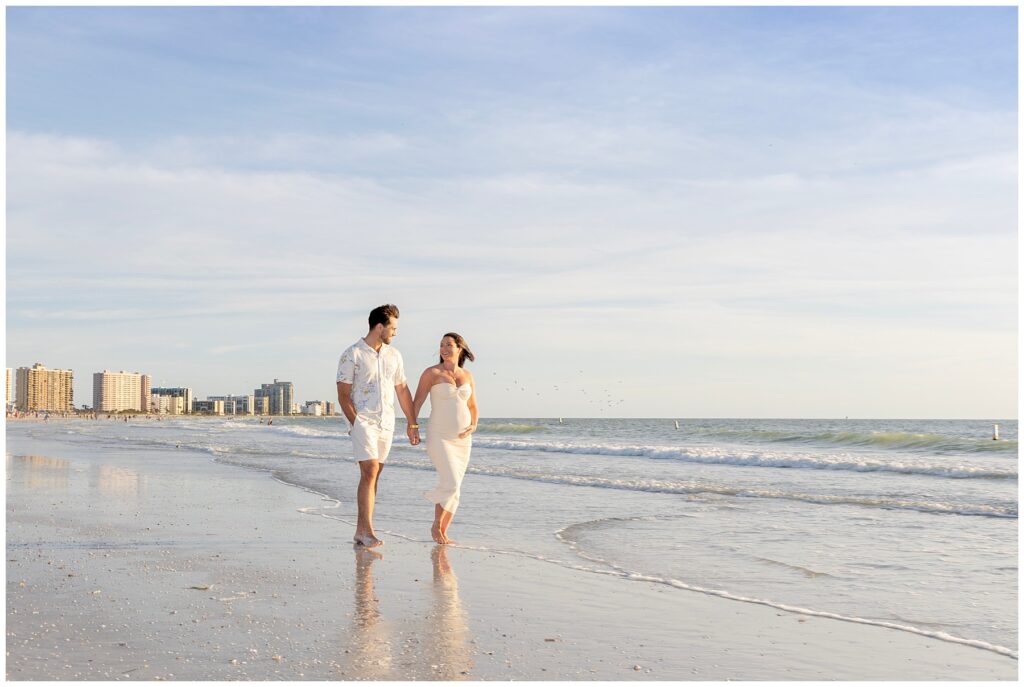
(449, 415)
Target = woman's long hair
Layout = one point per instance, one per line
(464, 352)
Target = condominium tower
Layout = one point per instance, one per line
(43, 389)
(279, 395)
(116, 391)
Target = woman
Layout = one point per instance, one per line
(453, 417)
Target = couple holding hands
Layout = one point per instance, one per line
(370, 375)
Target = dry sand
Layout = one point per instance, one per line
(167, 566)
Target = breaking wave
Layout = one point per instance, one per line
(711, 456)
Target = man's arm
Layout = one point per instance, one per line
(405, 400)
(345, 401)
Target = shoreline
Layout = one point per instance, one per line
(288, 597)
(76, 415)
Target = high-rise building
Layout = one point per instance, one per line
(116, 391)
(43, 389)
(279, 395)
(171, 400)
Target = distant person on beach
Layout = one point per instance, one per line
(453, 418)
(370, 374)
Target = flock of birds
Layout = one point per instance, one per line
(604, 399)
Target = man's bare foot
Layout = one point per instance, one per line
(368, 540)
(437, 534)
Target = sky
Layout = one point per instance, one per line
(627, 212)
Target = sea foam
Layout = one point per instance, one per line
(714, 456)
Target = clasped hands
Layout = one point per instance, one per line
(414, 433)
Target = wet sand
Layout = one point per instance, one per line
(164, 565)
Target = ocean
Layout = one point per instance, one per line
(907, 524)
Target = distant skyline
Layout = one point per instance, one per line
(627, 212)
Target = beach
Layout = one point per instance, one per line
(160, 564)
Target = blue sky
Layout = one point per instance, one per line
(768, 212)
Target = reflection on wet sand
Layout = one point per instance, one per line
(40, 472)
(447, 631)
(370, 637)
(116, 481)
(436, 649)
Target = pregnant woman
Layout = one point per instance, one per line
(453, 417)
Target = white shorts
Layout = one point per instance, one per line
(370, 442)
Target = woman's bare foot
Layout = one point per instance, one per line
(437, 534)
(445, 523)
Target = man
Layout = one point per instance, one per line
(370, 373)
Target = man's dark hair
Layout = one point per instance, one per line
(383, 314)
